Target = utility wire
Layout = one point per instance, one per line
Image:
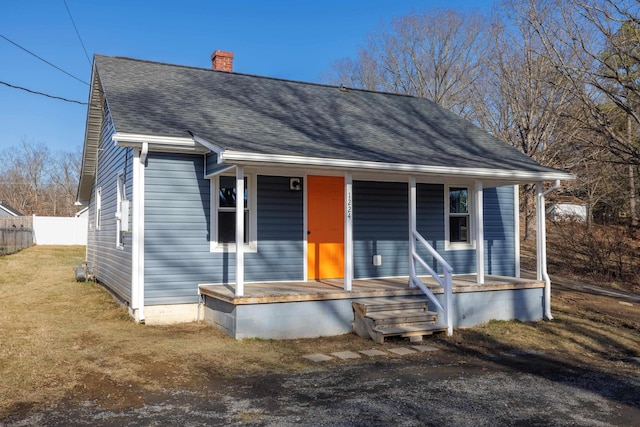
(43, 94)
(77, 32)
(44, 60)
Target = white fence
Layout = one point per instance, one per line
(53, 230)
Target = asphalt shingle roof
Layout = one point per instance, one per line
(271, 116)
(7, 210)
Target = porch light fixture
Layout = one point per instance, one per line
(295, 184)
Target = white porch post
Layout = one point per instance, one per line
(239, 231)
(516, 226)
(541, 249)
(348, 231)
(413, 203)
(479, 232)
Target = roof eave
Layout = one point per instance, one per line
(197, 145)
(171, 144)
(8, 209)
(523, 176)
(91, 139)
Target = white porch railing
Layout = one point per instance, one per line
(444, 281)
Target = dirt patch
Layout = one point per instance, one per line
(456, 387)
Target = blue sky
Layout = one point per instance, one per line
(297, 40)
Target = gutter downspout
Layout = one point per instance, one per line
(541, 237)
(143, 153)
(137, 250)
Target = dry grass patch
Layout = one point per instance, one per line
(61, 340)
(588, 331)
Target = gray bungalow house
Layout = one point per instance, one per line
(281, 209)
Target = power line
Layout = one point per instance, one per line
(43, 94)
(77, 32)
(44, 60)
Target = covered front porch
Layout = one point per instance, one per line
(459, 221)
(287, 310)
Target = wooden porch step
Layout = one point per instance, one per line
(407, 331)
(406, 317)
(393, 304)
(391, 317)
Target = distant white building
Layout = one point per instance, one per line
(565, 209)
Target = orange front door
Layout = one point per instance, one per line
(325, 223)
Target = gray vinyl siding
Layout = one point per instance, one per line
(211, 163)
(178, 221)
(431, 225)
(381, 226)
(177, 232)
(499, 256)
(280, 232)
(111, 265)
(499, 231)
(176, 235)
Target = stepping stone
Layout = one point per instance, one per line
(317, 357)
(373, 352)
(423, 348)
(346, 355)
(401, 351)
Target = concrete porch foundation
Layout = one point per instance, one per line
(323, 308)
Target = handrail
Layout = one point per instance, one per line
(445, 281)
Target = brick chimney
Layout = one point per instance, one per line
(222, 61)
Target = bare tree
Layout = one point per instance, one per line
(34, 181)
(604, 35)
(435, 55)
(64, 181)
(599, 180)
(26, 173)
(523, 100)
(557, 79)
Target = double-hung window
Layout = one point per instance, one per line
(459, 219)
(122, 210)
(224, 202)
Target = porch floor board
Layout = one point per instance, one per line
(327, 289)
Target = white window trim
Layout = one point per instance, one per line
(98, 218)
(121, 194)
(252, 236)
(471, 244)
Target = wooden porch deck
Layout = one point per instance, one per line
(331, 289)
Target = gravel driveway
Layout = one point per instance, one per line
(444, 388)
